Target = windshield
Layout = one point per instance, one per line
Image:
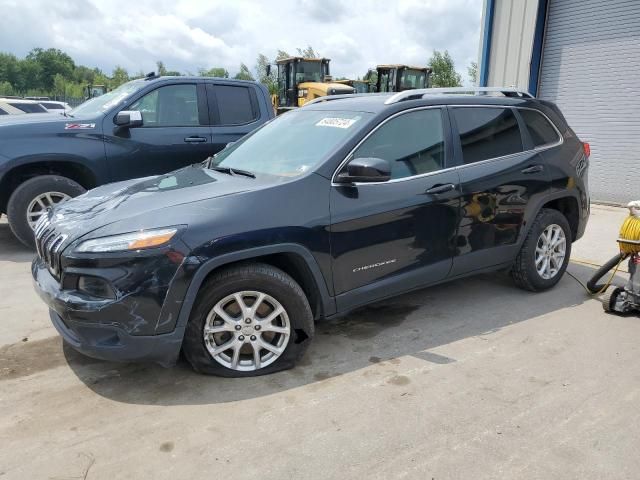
(413, 79)
(293, 143)
(101, 104)
(309, 72)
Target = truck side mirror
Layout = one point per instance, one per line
(268, 70)
(128, 119)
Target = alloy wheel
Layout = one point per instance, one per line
(40, 204)
(550, 251)
(247, 331)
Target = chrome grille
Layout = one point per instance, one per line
(48, 244)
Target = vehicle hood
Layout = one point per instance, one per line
(145, 203)
(31, 118)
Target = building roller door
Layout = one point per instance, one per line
(591, 69)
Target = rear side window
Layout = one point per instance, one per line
(235, 105)
(2, 112)
(487, 133)
(540, 130)
(29, 107)
(413, 143)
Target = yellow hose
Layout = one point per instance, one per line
(630, 230)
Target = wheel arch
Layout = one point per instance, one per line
(566, 203)
(69, 167)
(568, 206)
(293, 259)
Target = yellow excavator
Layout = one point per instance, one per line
(301, 80)
(397, 78)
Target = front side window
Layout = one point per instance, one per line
(487, 133)
(234, 105)
(293, 143)
(170, 106)
(540, 130)
(413, 143)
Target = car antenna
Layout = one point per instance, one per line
(150, 76)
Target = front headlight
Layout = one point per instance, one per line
(128, 241)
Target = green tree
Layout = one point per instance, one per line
(119, 76)
(30, 73)
(244, 73)
(444, 72)
(9, 68)
(472, 71)
(162, 70)
(214, 72)
(6, 88)
(59, 85)
(268, 80)
(51, 62)
(308, 52)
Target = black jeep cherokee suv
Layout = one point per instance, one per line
(336, 205)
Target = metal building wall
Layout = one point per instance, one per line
(591, 70)
(512, 32)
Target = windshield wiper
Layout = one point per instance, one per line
(232, 171)
(246, 173)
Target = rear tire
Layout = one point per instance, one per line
(255, 345)
(545, 253)
(18, 207)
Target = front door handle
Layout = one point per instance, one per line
(437, 189)
(195, 139)
(533, 169)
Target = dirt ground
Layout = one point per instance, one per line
(471, 379)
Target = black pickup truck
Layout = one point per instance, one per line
(144, 127)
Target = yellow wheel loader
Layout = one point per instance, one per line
(301, 80)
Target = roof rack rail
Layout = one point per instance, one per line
(421, 92)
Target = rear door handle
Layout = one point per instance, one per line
(533, 169)
(436, 189)
(195, 139)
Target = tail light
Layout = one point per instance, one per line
(587, 148)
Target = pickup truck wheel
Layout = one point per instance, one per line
(248, 320)
(545, 253)
(31, 200)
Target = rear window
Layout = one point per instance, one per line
(235, 105)
(487, 133)
(540, 130)
(29, 107)
(52, 106)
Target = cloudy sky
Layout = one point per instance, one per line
(191, 34)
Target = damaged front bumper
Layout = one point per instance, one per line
(138, 324)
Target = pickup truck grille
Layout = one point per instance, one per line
(48, 244)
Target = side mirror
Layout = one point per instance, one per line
(268, 70)
(366, 170)
(128, 119)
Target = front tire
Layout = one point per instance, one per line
(32, 198)
(248, 320)
(545, 253)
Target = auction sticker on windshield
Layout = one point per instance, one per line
(336, 122)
